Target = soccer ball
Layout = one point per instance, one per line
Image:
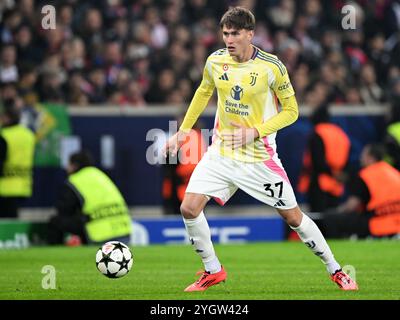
(114, 259)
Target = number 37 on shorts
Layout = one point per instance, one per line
(220, 177)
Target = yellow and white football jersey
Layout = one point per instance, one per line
(247, 94)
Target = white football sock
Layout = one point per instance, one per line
(310, 234)
(200, 238)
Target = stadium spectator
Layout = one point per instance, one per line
(132, 95)
(317, 95)
(51, 86)
(162, 86)
(262, 37)
(98, 88)
(73, 54)
(199, 54)
(289, 51)
(100, 35)
(65, 20)
(8, 66)
(371, 92)
(353, 96)
(17, 145)
(324, 162)
(26, 86)
(315, 16)
(379, 56)
(301, 82)
(197, 10)
(11, 19)
(142, 74)
(334, 77)
(353, 46)
(243, 154)
(281, 16)
(373, 205)
(330, 40)
(27, 10)
(91, 32)
(119, 30)
(29, 50)
(392, 18)
(78, 89)
(90, 208)
(8, 91)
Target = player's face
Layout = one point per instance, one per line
(237, 41)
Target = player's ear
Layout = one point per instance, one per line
(250, 34)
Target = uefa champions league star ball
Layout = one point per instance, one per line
(114, 259)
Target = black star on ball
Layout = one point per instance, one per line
(123, 263)
(119, 246)
(106, 258)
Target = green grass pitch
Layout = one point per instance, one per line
(256, 271)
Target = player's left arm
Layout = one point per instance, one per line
(288, 115)
(281, 86)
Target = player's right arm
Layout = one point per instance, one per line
(196, 107)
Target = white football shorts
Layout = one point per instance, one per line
(219, 177)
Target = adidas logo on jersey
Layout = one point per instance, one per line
(280, 203)
(224, 77)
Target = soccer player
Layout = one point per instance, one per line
(243, 152)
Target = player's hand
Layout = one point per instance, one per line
(174, 143)
(239, 136)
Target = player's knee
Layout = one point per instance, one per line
(292, 217)
(292, 220)
(189, 211)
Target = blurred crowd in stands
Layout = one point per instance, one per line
(145, 52)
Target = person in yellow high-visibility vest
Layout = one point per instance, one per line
(17, 145)
(392, 136)
(90, 206)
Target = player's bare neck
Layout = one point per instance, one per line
(246, 55)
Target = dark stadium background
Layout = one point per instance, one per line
(119, 68)
(125, 57)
